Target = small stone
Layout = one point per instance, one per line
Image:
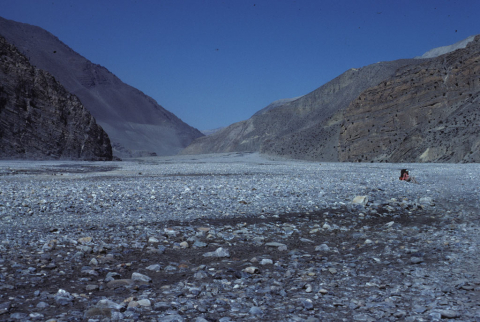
(93, 262)
(105, 303)
(90, 288)
(427, 201)
(19, 316)
(141, 278)
(153, 240)
(42, 305)
(274, 244)
(98, 312)
(85, 240)
(416, 260)
(133, 304)
(144, 303)
(50, 245)
(199, 244)
(322, 248)
(419, 309)
(389, 224)
(332, 270)
(360, 200)
(220, 252)
(63, 297)
(5, 307)
(184, 244)
(200, 275)
(307, 304)
(449, 314)
(36, 316)
(252, 270)
(120, 283)
(255, 310)
(154, 267)
(266, 261)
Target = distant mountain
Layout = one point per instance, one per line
(208, 132)
(135, 123)
(39, 119)
(303, 128)
(415, 110)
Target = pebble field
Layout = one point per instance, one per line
(238, 237)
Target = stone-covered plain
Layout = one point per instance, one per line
(237, 237)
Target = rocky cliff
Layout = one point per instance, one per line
(39, 119)
(135, 123)
(424, 113)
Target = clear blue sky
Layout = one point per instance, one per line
(213, 63)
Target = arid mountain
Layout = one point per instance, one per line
(424, 113)
(135, 123)
(305, 128)
(415, 110)
(39, 119)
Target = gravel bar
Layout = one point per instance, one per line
(237, 237)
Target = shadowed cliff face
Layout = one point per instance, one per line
(135, 123)
(39, 119)
(424, 113)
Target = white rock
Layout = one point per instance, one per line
(360, 200)
(266, 261)
(220, 252)
(141, 278)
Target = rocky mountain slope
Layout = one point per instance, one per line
(416, 110)
(135, 123)
(305, 128)
(428, 112)
(39, 119)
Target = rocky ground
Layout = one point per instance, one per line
(237, 237)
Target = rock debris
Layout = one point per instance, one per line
(237, 237)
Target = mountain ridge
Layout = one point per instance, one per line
(313, 126)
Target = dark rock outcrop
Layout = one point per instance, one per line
(39, 119)
(424, 113)
(135, 123)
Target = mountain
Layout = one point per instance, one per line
(428, 112)
(415, 110)
(39, 119)
(302, 128)
(135, 123)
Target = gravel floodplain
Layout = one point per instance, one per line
(238, 236)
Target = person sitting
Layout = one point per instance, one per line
(404, 176)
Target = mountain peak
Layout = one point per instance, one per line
(435, 52)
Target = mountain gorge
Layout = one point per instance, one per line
(412, 110)
(39, 119)
(135, 123)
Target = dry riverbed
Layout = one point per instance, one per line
(237, 237)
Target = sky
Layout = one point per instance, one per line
(213, 63)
